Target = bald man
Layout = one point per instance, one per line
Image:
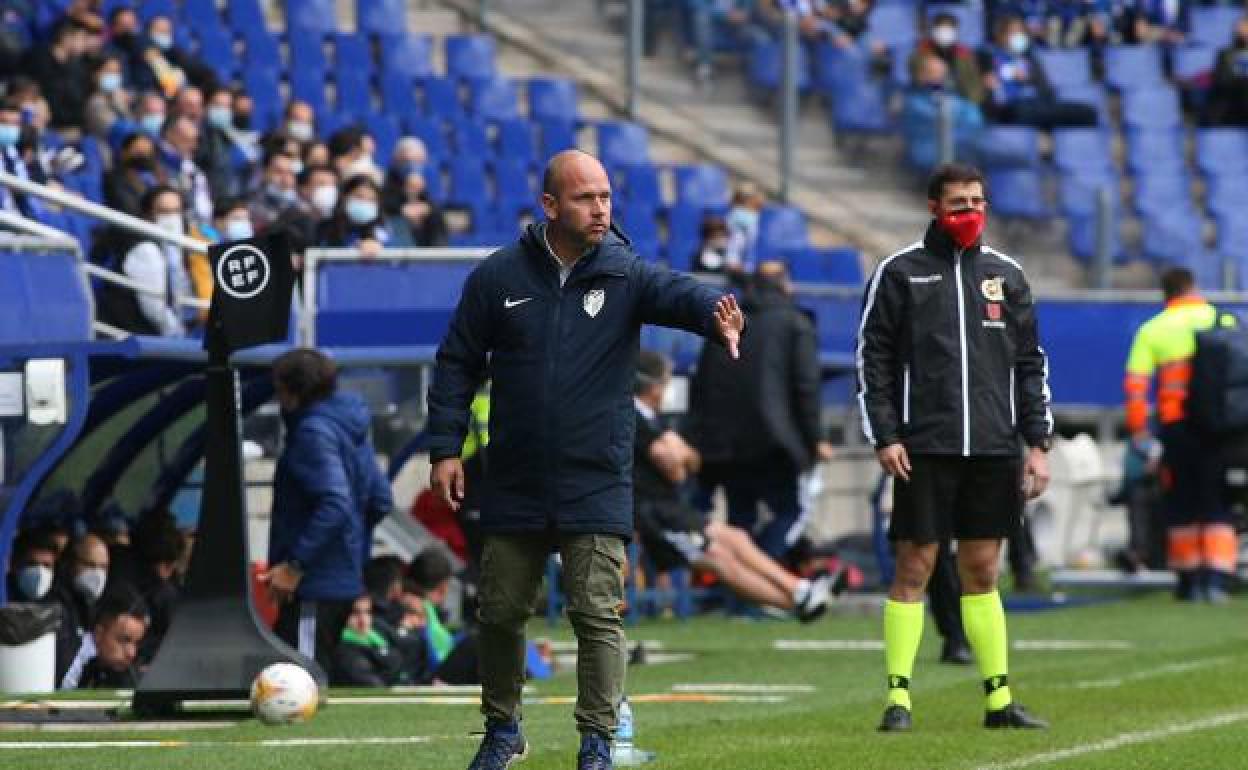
(556, 318)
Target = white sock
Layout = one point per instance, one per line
(802, 592)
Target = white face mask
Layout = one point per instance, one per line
(944, 35)
(238, 229)
(300, 131)
(34, 580)
(325, 198)
(171, 223)
(1018, 42)
(90, 582)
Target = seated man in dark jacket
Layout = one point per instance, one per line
(1018, 90)
(107, 655)
(676, 534)
(364, 658)
(1228, 101)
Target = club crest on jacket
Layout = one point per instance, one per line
(994, 288)
(593, 302)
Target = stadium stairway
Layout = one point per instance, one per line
(853, 191)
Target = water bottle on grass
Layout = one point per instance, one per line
(624, 753)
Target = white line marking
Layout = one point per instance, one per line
(1135, 676)
(1123, 739)
(268, 743)
(93, 727)
(741, 687)
(1044, 645)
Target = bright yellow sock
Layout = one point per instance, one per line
(983, 619)
(903, 630)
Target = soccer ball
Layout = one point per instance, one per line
(284, 694)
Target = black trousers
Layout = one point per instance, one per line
(314, 627)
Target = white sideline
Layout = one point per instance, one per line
(180, 744)
(741, 687)
(1149, 673)
(1123, 739)
(1030, 645)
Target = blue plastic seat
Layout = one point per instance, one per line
(1083, 238)
(470, 139)
(1160, 192)
(780, 228)
(352, 52)
(862, 109)
(1008, 147)
(494, 99)
(44, 297)
(431, 133)
(1091, 94)
(515, 185)
(441, 97)
(352, 94)
(684, 235)
(385, 131)
(1019, 192)
(398, 94)
(1192, 63)
(1153, 107)
(892, 24)
(1213, 26)
(309, 86)
(552, 98)
(381, 17)
(837, 266)
(262, 86)
(1133, 66)
(196, 13)
(554, 136)
(970, 20)
(703, 186)
(1078, 195)
(410, 55)
(621, 143)
(468, 185)
(215, 48)
(516, 139)
(1075, 149)
(1155, 150)
(642, 228)
(765, 66)
(261, 52)
(638, 185)
(1227, 197)
(836, 69)
(319, 16)
(1169, 237)
(307, 50)
(1065, 66)
(470, 56)
(244, 15)
(149, 9)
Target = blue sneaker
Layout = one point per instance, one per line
(595, 753)
(500, 749)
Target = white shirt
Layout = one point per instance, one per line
(564, 270)
(644, 409)
(160, 269)
(86, 653)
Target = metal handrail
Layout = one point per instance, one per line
(43, 232)
(120, 219)
(129, 283)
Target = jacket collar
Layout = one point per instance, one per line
(1186, 299)
(612, 255)
(938, 242)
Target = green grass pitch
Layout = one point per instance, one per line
(1173, 697)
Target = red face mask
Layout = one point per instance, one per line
(963, 226)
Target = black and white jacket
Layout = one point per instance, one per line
(949, 360)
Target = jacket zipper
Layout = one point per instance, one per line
(905, 395)
(552, 371)
(966, 377)
(1013, 413)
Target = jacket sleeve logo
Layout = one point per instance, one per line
(593, 302)
(994, 288)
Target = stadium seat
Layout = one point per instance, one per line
(1155, 151)
(215, 47)
(780, 228)
(1226, 196)
(1213, 26)
(862, 108)
(641, 226)
(262, 87)
(195, 13)
(470, 139)
(1075, 149)
(1222, 150)
(1019, 192)
(1133, 66)
(1091, 94)
(385, 130)
(149, 9)
(704, 186)
(837, 69)
(621, 143)
(317, 16)
(556, 136)
(470, 56)
(684, 235)
(309, 86)
(410, 55)
(352, 53)
(468, 187)
(765, 67)
(1193, 65)
(1065, 66)
(381, 17)
(493, 99)
(970, 20)
(1083, 238)
(840, 266)
(44, 297)
(515, 185)
(352, 93)
(1160, 192)
(1171, 237)
(441, 98)
(261, 52)
(1151, 107)
(398, 94)
(245, 15)
(1008, 147)
(552, 98)
(516, 139)
(1078, 194)
(638, 185)
(307, 50)
(893, 24)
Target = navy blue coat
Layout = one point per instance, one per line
(562, 362)
(327, 494)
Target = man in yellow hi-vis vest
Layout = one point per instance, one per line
(1201, 544)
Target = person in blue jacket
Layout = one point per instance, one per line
(554, 321)
(328, 494)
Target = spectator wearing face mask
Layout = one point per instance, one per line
(166, 67)
(356, 222)
(157, 265)
(78, 585)
(921, 110)
(107, 653)
(713, 252)
(110, 108)
(299, 121)
(150, 113)
(32, 567)
(742, 219)
(218, 154)
(58, 67)
(233, 222)
(1018, 91)
(419, 222)
(349, 156)
(135, 172)
(409, 156)
(317, 188)
(960, 62)
(276, 194)
(11, 158)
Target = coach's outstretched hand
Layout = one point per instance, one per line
(731, 322)
(447, 479)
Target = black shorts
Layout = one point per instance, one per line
(673, 534)
(959, 498)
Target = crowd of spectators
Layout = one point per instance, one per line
(117, 111)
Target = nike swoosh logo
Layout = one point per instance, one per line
(509, 303)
